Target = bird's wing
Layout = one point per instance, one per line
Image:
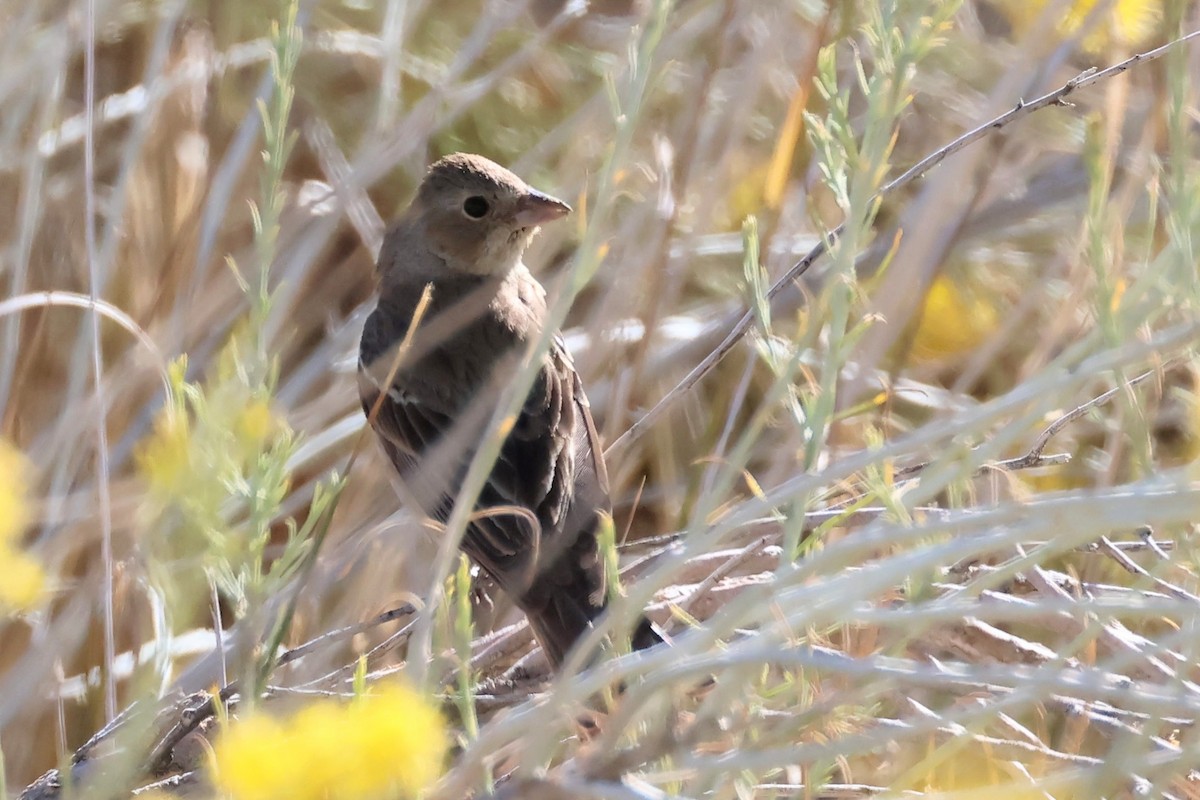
(420, 441)
(529, 490)
(553, 462)
(591, 459)
(536, 468)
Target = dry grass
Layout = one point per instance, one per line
(883, 608)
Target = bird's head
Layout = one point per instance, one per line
(477, 216)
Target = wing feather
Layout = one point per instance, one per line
(535, 474)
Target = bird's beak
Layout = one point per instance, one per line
(535, 208)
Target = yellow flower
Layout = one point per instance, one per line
(254, 761)
(1123, 23)
(385, 745)
(14, 490)
(165, 458)
(22, 580)
(256, 429)
(255, 423)
(953, 321)
(323, 742)
(400, 741)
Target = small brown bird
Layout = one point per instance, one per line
(534, 530)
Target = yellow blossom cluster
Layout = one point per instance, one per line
(22, 578)
(388, 744)
(166, 457)
(954, 321)
(214, 446)
(205, 436)
(1121, 24)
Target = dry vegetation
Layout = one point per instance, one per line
(865, 597)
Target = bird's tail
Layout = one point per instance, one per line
(563, 621)
(644, 636)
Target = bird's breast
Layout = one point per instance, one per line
(473, 332)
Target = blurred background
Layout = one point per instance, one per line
(226, 206)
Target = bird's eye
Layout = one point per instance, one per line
(475, 207)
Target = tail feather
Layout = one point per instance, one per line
(644, 636)
(562, 621)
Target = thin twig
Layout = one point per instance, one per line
(296, 653)
(1132, 567)
(1160, 548)
(389, 643)
(1035, 456)
(95, 289)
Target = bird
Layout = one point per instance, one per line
(534, 526)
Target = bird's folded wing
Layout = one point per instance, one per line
(528, 493)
